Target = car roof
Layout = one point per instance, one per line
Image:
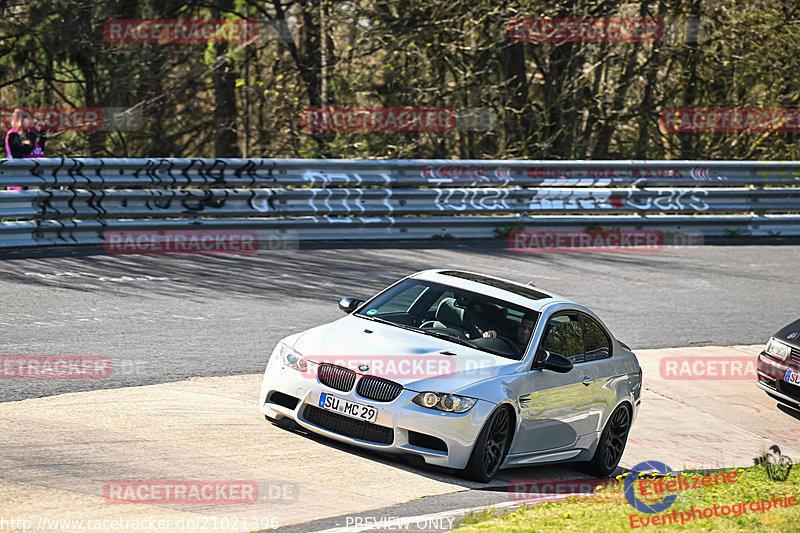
(511, 291)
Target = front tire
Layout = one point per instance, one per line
(490, 448)
(612, 444)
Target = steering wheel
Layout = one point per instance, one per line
(430, 325)
(511, 344)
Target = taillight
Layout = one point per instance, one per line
(640, 376)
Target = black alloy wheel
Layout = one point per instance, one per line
(490, 448)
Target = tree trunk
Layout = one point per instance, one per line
(226, 140)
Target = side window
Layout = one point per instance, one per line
(564, 335)
(598, 345)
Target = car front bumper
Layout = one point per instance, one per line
(440, 438)
(770, 373)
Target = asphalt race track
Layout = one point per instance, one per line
(59, 452)
(188, 336)
(162, 318)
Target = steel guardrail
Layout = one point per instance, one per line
(75, 201)
(327, 173)
(143, 203)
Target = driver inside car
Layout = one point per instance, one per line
(523, 333)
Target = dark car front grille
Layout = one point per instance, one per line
(789, 389)
(768, 382)
(336, 377)
(378, 389)
(795, 354)
(348, 427)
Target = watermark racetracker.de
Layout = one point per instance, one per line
(163, 31)
(169, 492)
(560, 240)
(180, 31)
(420, 119)
(586, 241)
(630, 29)
(76, 118)
(20, 367)
(386, 366)
(708, 367)
(566, 30)
(543, 490)
(395, 367)
(55, 367)
(196, 241)
(696, 120)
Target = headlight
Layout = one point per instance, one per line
(778, 349)
(293, 359)
(452, 403)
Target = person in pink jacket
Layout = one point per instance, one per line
(24, 140)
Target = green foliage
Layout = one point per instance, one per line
(608, 510)
(502, 232)
(552, 100)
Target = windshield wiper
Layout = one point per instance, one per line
(384, 321)
(449, 337)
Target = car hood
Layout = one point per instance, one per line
(790, 334)
(415, 360)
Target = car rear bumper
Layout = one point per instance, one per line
(440, 438)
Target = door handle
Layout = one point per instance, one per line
(587, 381)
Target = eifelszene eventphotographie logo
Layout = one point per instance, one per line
(639, 505)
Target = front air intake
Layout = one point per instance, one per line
(349, 427)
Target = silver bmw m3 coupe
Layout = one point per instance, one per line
(467, 371)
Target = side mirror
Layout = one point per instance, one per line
(555, 362)
(348, 304)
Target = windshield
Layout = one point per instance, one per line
(454, 314)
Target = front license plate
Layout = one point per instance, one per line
(792, 377)
(352, 409)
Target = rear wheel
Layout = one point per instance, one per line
(490, 448)
(612, 444)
